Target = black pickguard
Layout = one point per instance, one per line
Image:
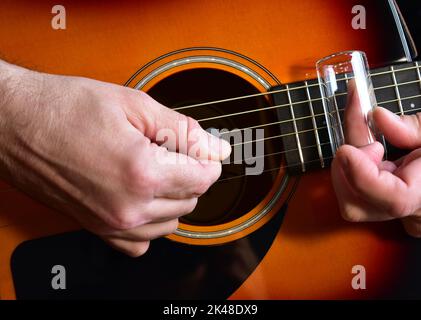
(169, 270)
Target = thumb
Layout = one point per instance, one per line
(174, 130)
(401, 131)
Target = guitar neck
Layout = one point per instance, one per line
(302, 118)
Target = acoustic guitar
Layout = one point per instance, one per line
(230, 64)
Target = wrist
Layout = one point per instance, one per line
(20, 89)
(10, 79)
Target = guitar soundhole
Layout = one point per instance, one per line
(235, 193)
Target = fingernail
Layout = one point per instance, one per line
(396, 116)
(343, 161)
(220, 147)
(225, 149)
(390, 113)
(370, 118)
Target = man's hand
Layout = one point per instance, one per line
(89, 149)
(369, 189)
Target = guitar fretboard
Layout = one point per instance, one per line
(302, 118)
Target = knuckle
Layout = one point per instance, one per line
(148, 212)
(172, 226)
(338, 160)
(216, 170)
(412, 226)
(166, 229)
(138, 249)
(203, 186)
(191, 205)
(418, 120)
(342, 154)
(400, 208)
(213, 171)
(125, 220)
(139, 177)
(350, 215)
(192, 123)
(415, 233)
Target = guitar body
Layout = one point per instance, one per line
(312, 251)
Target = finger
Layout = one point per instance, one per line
(380, 187)
(388, 166)
(159, 217)
(186, 182)
(157, 210)
(403, 162)
(409, 172)
(130, 248)
(407, 158)
(352, 207)
(146, 232)
(163, 209)
(174, 130)
(401, 131)
(179, 175)
(412, 224)
(356, 130)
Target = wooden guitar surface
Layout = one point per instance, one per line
(314, 250)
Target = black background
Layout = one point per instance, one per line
(411, 10)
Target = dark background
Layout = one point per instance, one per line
(411, 10)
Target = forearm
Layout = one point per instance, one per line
(10, 76)
(15, 97)
(7, 84)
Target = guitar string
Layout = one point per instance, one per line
(279, 106)
(291, 89)
(316, 115)
(282, 90)
(272, 169)
(301, 118)
(293, 149)
(286, 151)
(280, 152)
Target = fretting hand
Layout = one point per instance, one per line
(369, 189)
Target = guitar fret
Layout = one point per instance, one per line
(418, 72)
(395, 83)
(305, 129)
(412, 101)
(338, 116)
(346, 79)
(316, 131)
(297, 137)
(326, 119)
